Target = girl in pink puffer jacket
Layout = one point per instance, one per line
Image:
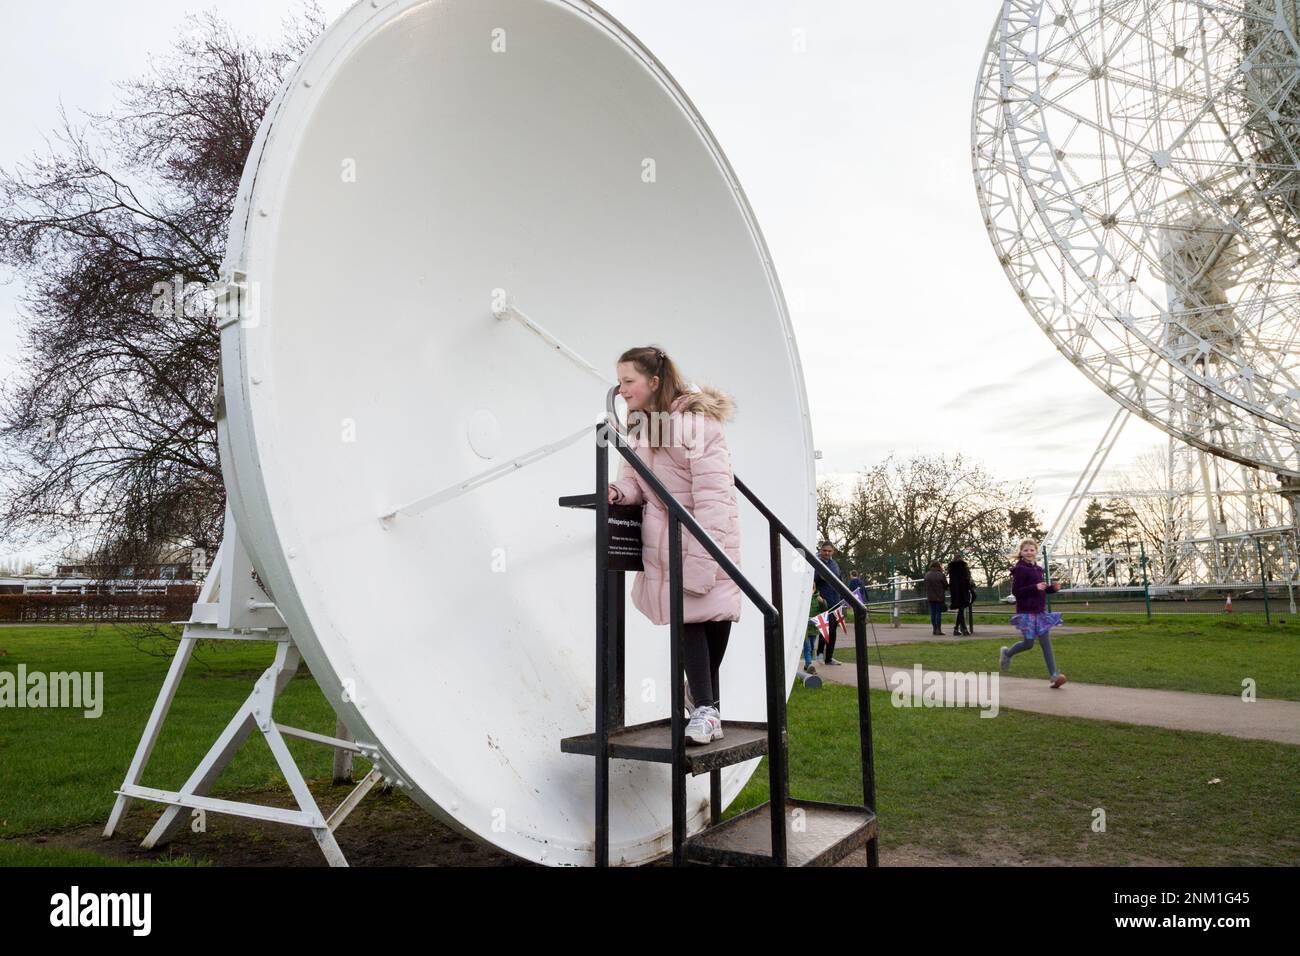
(678, 433)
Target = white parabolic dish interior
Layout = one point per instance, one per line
(423, 155)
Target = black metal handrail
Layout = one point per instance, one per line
(789, 535)
(777, 530)
(611, 420)
(773, 641)
(774, 648)
(677, 509)
(674, 506)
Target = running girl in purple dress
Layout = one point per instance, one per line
(1032, 618)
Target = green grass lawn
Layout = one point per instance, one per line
(58, 768)
(952, 782)
(1190, 652)
(947, 778)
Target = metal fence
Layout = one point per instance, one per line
(907, 596)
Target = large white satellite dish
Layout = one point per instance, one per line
(426, 158)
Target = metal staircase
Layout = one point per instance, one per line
(782, 832)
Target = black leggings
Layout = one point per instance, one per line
(828, 646)
(704, 644)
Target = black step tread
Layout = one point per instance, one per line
(742, 740)
(828, 832)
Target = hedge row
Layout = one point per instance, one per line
(73, 608)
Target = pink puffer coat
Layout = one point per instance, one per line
(694, 464)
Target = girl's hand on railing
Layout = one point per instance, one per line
(614, 495)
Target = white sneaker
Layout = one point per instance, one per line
(1004, 659)
(705, 726)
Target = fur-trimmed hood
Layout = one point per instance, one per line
(707, 400)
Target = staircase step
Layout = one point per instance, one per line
(827, 833)
(652, 741)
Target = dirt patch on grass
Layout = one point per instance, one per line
(1000, 846)
(389, 829)
(978, 856)
(386, 829)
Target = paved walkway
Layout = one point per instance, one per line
(1277, 720)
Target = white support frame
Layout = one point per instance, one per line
(231, 606)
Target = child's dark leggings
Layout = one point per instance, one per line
(704, 644)
(1026, 642)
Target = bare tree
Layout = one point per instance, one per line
(994, 545)
(927, 508)
(1158, 521)
(115, 231)
(831, 514)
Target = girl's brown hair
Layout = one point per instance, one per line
(650, 360)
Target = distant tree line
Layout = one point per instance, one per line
(906, 513)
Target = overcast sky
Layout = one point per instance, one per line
(855, 156)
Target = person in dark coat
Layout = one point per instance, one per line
(962, 589)
(935, 585)
(826, 551)
(856, 582)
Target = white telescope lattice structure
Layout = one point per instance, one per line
(1135, 163)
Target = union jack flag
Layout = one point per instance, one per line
(822, 623)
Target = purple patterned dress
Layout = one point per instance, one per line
(1036, 623)
(1032, 619)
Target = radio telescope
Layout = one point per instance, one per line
(456, 216)
(1150, 142)
(1163, 267)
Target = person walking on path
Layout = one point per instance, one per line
(677, 431)
(856, 583)
(810, 638)
(962, 590)
(826, 551)
(935, 585)
(1032, 618)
